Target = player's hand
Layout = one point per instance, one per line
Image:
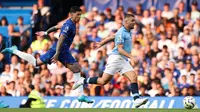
(96, 45)
(54, 59)
(40, 33)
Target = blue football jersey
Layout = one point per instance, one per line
(124, 37)
(69, 31)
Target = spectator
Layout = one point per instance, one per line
(58, 90)
(184, 91)
(102, 32)
(15, 64)
(163, 53)
(175, 45)
(20, 21)
(84, 12)
(176, 73)
(14, 34)
(143, 91)
(93, 37)
(6, 75)
(146, 19)
(11, 88)
(38, 44)
(108, 13)
(137, 49)
(154, 89)
(195, 63)
(161, 91)
(139, 9)
(168, 77)
(4, 91)
(181, 8)
(23, 92)
(158, 20)
(4, 21)
(166, 12)
(191, 80)
(2, 42)
(183, 82)
(95, 14)
(188, 70)
(194, 13)
(174, 19)
(163, 41)
(191, 91)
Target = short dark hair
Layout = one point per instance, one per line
(20, 17)
(31, 87)
(165, 47)
(166, 4)
(191, 87)
(74, 9)
(137, 42)
(129, 15)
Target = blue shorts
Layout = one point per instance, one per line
(64, 57)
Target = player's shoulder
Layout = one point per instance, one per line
(68, 25)
(120, 31)
(68, 22)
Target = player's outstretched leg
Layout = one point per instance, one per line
(82, 97)
(13, 50)
(131, 75)
(75, 68)
(93, 80)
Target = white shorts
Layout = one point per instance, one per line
(116, 63)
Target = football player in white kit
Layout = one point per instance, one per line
(118, 61)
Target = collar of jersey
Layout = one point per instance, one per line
(125, 29)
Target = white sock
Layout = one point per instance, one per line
(77, 77)
(31, 59)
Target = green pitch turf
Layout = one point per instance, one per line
(98, 110)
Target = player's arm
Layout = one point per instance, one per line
(123, 52)
(52, 29)
(104, 41)
(59, 43)
(120, 46)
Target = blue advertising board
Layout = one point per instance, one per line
(102, 102)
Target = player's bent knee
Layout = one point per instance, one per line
(75, 67)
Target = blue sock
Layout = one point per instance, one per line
(134, 90)
(92, 80)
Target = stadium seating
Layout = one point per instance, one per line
(4, 31)
(15, 11)
(8, 3)
(13, 14)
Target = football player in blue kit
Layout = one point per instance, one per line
(59, 51)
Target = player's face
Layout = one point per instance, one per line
(76, 16)
(131, 22)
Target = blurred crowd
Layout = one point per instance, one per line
(166, 42)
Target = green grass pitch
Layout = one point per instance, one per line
(98, 110)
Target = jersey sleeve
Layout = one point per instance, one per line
(119, 38)
(65, 30)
